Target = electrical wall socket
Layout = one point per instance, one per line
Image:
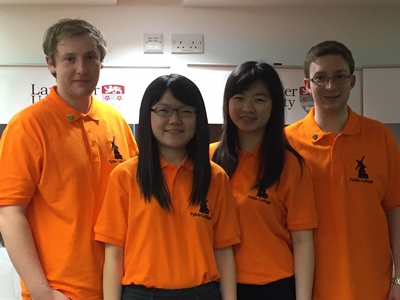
(153, 43)
(187, 43)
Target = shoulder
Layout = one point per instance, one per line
(293, 128)
(375, 131)
(213, 147)
(217, 171)
(36, 113)
(368, 123)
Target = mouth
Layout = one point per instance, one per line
(247, 118)
(174, 131)
(332, 97)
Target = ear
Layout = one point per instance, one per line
(50, 66)
(307, 84)
(353, 80)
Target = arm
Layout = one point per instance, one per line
(22, 251)
(226, 267)
(112, 272)
(393, 218)
(303, 252)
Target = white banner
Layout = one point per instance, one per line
(124, 88)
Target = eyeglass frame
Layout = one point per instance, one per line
(178, 111)
(331, 78)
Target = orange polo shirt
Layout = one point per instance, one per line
(58, 161)
(162, 249)
(356, 177)
(266, 218)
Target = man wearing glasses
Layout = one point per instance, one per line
(355, 165)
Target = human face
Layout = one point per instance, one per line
(250, 110)
(77, 67)
(332, 97)
(172, 133)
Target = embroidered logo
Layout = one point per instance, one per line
(261, 195)
(203, 211)
(117, 156)
(362, 175)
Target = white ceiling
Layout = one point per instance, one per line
(58, 2)
(213, 3)
(266, 3)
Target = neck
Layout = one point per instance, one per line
(333, 122)
(248, 141)
(81, 104)
(173, 156)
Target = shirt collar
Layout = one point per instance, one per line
(68, 112)
(187, 163)
(253, 152)
(314, 133)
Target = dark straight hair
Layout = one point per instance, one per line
(274, 143)
(149, 174)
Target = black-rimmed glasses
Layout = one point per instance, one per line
(323, 79)
(169, 111)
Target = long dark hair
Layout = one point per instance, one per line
(149, 174)
(274, 142)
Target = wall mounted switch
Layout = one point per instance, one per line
(153, 43)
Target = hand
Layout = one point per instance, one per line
(394, 293)
(53, 295)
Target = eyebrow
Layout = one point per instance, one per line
(337, 71)
(262, 94)
(162, 104)
(73, 53)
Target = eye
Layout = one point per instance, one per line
(320, 78)
(187, 111)
(237, 98)
(341, 76)
(162, 110)
(91, 57)
(70, 59)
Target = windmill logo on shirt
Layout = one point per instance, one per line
(204, 212)
(262, 192)
(361, 168)
(261, 195)
(362, 175)
(306, 99)
(113, 94)
(204, 208)
(115, 150)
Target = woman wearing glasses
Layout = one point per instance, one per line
(169, 220)
(272, 188)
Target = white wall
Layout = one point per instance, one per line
(231, 35)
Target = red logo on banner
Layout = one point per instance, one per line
(113, 94)
(306, 99)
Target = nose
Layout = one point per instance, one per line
(81, 67)
(330, 84)
(248, 105)
(175, 118)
